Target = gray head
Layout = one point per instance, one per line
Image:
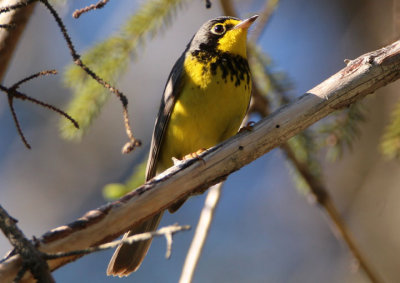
(224, 34)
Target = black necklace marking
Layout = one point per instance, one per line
(233, 67)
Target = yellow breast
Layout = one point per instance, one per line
(210, 108)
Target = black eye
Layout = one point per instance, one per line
(218, 29)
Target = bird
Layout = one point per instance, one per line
(205, 100)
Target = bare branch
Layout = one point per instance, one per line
(12, 93)
(362, 76)
(200, 235)
(322, 197)
(22, 96)
(31, 258)
(34, 76)
(16, 122)
(133, 142)
(167, 232)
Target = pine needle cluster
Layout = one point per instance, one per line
(109, 59)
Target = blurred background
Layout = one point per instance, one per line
(264, 229)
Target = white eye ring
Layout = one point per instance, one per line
(218, 29)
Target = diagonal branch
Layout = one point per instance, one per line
(16, 122)
(359, 78)
(322, 197)
(200, 235)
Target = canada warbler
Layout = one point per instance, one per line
(205, 100)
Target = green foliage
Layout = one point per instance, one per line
(342, 131)
(117, 190)
(390, 143)
(109, 59)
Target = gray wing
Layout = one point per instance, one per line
(171, 93)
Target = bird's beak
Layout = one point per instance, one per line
(245, 24)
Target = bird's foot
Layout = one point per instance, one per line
(192, 155)
(249, 127)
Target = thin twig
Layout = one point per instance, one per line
(16, 122)
(91, 7)
(22, 96)
(31, 258)
(322, 197)
(133, 142)
(200, 235)
(34, 76)
(334, 215)
(167, 232)
(12, 93)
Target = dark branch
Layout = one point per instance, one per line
(133, 142)
(32, 259)
(16, 122)
(34, 76)
(22, 96)
(12, 93)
